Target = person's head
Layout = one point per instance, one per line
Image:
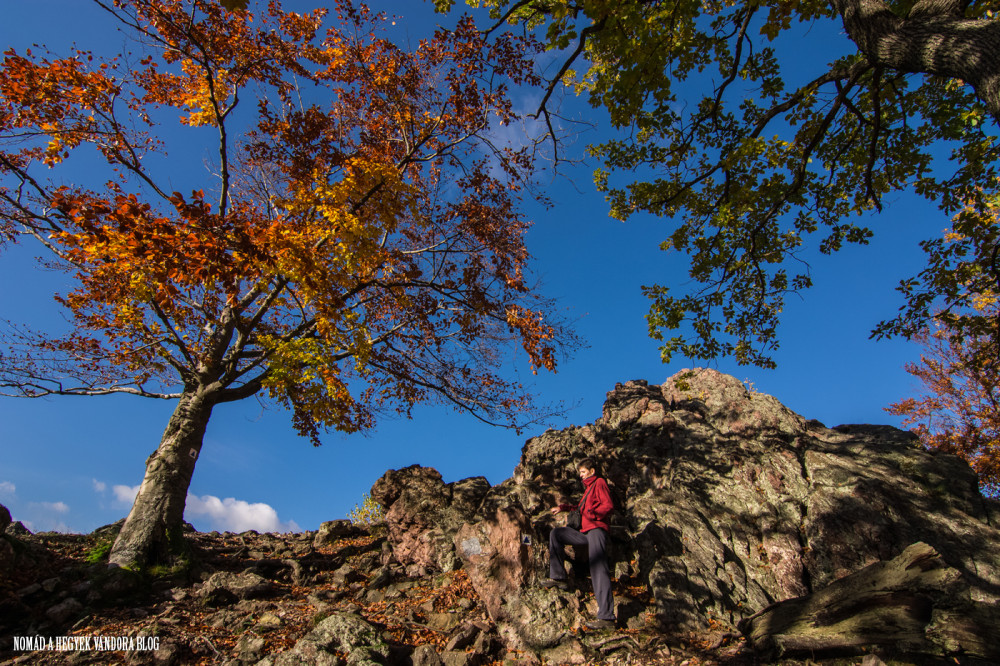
(586, 467)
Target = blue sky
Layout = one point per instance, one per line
(73, 463)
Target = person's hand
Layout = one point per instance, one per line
(556, 509)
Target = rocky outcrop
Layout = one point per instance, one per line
(423, 514)
(912, 603)
(732, 502)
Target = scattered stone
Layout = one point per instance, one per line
(224, 588)
(460, 658)
(249, 648)
(64, 610)
(115, 583)
(29, 590)
(221, 619)
(464, 637)
(425, 655)
(872, 660)
(108, 532)
(345, 575)
(169, 652)
(269, 622)
(340, 632)
(381, 578)
(570, 651)
(443, 622)
(335, 530)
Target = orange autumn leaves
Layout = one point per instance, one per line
(958, 409)
(352, 243)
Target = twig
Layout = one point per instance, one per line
(209, 643)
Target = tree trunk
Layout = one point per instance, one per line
(935, 38)
(151, 532)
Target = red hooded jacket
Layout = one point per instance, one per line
(595, 505)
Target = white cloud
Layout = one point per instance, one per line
(233, 515)
(58, 507)
(99, 486)
(225, 515)
(125, 494)
(7, 488)
(45, 517)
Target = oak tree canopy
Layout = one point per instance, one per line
(751, 168)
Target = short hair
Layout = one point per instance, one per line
(587, 463)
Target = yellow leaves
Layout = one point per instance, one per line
(205, 92)
(304, 372)
(140, 286)
(324, 242)
(973, 116)
(54, 152)
(983, 302)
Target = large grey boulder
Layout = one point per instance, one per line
(732, 502)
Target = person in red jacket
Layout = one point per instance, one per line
(593, 533)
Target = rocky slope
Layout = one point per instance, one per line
(738, 518)
(329, 597)
(732, 502)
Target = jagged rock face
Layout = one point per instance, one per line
(732, 502)
(423, 514)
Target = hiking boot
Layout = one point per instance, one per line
(595, 625)
(558, 584)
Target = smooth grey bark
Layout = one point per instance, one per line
(935, 38)
(153, 525)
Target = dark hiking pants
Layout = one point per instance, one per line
(596, 542)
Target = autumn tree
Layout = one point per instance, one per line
(751, 165)
(353, 247)
(958, 408)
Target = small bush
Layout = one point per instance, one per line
(369, 512)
